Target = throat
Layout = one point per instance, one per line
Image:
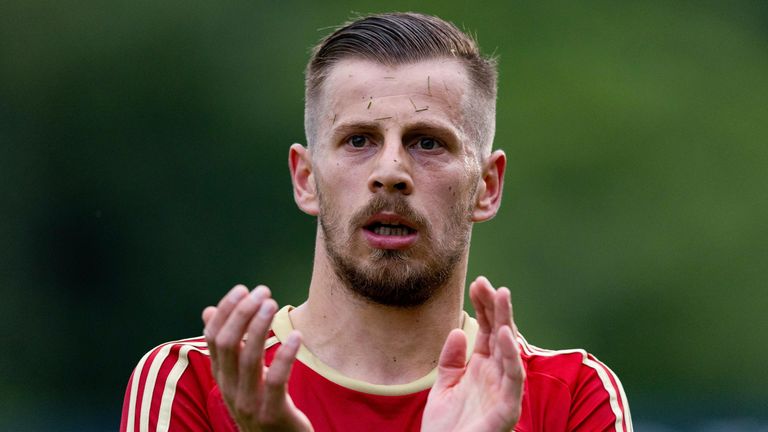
(366, 347)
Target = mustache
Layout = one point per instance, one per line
(393, 204)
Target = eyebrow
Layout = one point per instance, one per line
(370, 126)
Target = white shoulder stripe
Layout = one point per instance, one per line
(164, 416)
(625, 404)
(620, 394)
(146, 399)
(601, 372)
(134, 391)
(149, 386)
(614, 391)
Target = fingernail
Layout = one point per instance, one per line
(237, 293)
(267, 309)
(258, 294)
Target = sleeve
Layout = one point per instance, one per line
(598, 400)
(169, 390)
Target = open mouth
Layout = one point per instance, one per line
(386, 230)
(390, 229)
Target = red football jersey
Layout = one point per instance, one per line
(172, 388)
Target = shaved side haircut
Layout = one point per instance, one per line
(395, 39)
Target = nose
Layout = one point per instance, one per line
(392, 170)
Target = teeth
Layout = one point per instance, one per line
(390, 230)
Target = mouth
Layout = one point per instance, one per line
(389, 231)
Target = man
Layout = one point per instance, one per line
(400, 113)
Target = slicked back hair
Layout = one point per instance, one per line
(394, 39)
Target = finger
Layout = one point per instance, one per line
(513, 377)
(452, 362)
(481, 295)
(475, 298)
(279, 372)
(208, 314)
(224, 308)
(501, 315)
(250, 365)
(229, 339)
(482, 346)
(515, 333)
(486, 295)
(226, 305)
(502, 308)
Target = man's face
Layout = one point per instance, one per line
(396, 177)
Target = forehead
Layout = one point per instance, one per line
(442, 80)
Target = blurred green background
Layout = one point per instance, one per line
(143, 172)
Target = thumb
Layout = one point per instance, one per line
(452, 363)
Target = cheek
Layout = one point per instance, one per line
(449, 195)
(343, 185)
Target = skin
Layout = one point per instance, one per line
(377, 139)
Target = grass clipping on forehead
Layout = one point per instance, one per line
(417, 109)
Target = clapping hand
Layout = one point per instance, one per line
(256, 395)
(485, 394)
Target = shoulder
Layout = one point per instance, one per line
(591, 391)
(166, 362)
(173, 371)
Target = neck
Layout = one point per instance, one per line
(375, 343)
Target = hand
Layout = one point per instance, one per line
(484, 395)
(256, 396)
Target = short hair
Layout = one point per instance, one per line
(394, 39)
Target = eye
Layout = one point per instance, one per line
(357, 141)
(427, 143)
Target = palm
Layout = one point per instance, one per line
(485, 394)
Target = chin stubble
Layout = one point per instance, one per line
(395, 277)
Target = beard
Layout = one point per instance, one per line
(398, 278)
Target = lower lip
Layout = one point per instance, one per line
(378, 241)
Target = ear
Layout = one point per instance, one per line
(488, 199)
(302, 177)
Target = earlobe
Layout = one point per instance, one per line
(302, 178)
(488, 199)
